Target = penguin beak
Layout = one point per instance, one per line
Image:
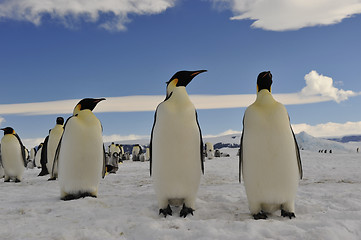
(195, 73)
(98, 100)
(192, 75)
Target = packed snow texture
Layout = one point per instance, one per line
(328, 205)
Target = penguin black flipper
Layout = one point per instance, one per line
(240, 158)
(151, 140)
(104, 170)
(297, 152)
(22, 148)
(297, 155)
(241, 155)
(201, 143)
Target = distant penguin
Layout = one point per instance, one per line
(32, 155)
(176, 148)
(81, 155)
(38, 155)
(136, 151)
(147, 154)
(114, 152)
(13, 155)
(54, 137)
(269, 158)
(44, 157)
(209, 150)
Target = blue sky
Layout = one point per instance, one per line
(55, 52)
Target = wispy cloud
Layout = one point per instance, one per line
(148, 103)
(318, 88)
(281, 15)
(112, 15)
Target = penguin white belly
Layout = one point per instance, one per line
(54, 138)
(38, 158)
(176, 156)
(81, 157)
(270, 168)
(11, 157)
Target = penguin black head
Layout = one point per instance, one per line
(264, 81)
(60, 120)
(87, 103)
(8, 130)
(181, 79)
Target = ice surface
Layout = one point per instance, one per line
(328, 205)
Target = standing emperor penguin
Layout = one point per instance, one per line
(176, 148)
(13, 155)
(54, 137)
(80, 154)
(269, 158)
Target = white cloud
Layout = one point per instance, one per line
(319, 85)
(118, 138)
(115, 12)
(329, 129)
(2, 120)
(29, 143)
(281, 15)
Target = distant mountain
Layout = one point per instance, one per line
(346, 139)
(308, 142)
(304, 140)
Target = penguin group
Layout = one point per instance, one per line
(269, 157)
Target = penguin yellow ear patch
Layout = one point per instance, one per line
(174, 82)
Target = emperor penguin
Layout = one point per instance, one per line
(13, 155)
(80, 155)
(44, 157)
(269, 156)
(176, 148)
(38, 155)
(54, 137)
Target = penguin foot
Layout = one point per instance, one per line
(52, 179)
(77, 196)
(166, 211)
(260, 215)
(287, 214)
(185, 211)
(17, 180)
(43, 173)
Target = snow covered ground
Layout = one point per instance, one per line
(328, 206)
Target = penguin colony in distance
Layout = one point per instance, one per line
(13, 155)
(54, 137)
(81, 155)
(269, 158)
(176, 159)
